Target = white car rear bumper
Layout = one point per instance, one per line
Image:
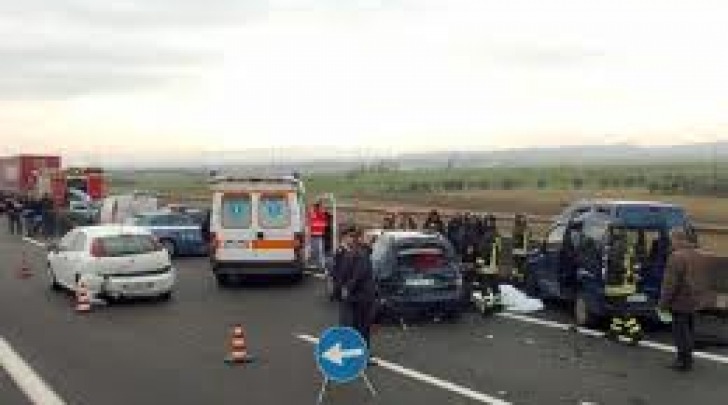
(139, 286)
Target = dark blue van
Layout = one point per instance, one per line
(607, 257)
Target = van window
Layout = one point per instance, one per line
(236, 212)
(274, 212)
(556, 235)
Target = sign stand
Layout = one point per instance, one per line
(325, 384)
(342, 356)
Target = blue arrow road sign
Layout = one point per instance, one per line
(341, 354)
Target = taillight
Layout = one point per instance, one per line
(299, 242)
(214, 242)
(97, 248)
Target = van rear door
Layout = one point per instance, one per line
(235, 230)
(276, 219)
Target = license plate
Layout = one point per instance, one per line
(138, 286)
(637, 298)
(419, 282)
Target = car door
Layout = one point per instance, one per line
(233, 226)
(59, 260)
(76, 258)
(275, 239)
(547, 269)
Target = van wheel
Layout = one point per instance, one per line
(582, 315)
(167, 296)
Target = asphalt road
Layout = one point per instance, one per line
(172, 353)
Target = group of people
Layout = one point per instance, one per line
(30, 216)
(682, 292)
(473, 236)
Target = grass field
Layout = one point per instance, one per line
(538, 191)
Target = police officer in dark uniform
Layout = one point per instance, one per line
(434, 223)
(357, 287)
(390, 222)
(453, 227)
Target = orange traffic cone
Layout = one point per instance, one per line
(24, 270)
(238, 349)
(83, 299)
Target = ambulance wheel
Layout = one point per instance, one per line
(222, 280)
(582, 315)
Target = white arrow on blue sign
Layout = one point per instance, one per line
(341, 354)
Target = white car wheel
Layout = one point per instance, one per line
(169, 247)
(55, 285)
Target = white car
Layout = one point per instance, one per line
(114, 261)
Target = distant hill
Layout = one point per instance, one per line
(286, 160)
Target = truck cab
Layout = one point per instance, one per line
(608, 262)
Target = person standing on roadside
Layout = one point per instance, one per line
(317, 229)
(15, 211)
(389, 222)
(684, 292)
(434, 223)
(357, 287)
(47, 217)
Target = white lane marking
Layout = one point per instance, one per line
(426, 378)
(26, 379)
(317, 275)
(595, 333)
(590, 332)
(33, 241)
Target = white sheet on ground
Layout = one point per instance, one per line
(515, 300)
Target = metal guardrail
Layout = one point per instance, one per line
(446, 212)
(537, 219)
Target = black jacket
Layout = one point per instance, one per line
(357, 277)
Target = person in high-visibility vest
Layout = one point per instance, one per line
(487, 274)
(521, 240)
(317, 222)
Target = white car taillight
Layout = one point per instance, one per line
(97, 248)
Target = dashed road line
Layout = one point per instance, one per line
(37, 391)
(594, 333)
(426, 378)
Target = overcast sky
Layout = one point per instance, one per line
(99, 77)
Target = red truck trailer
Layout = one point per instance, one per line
(18, 173)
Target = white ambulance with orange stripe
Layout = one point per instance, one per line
(257, 227)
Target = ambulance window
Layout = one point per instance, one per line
(274, 212)
(236, 212)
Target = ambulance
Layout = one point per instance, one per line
(257, 227)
